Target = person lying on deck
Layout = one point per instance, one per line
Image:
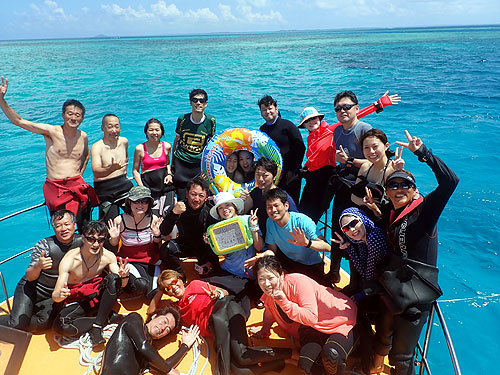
(130, 351)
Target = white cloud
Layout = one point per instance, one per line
(201, 15)
(162, 9)
(226, 13)
(249, 16)
(128, 13)
(52, 12)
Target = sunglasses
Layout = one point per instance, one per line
(350, 225)
(169, 287)
(400, 185)
(93, 240)
(199, 100)
(344, 107)
(141, 201)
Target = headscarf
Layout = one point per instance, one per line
(366, 255)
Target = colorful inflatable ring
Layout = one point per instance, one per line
(213, 159)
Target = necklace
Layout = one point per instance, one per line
(93, 264)
(136, 227)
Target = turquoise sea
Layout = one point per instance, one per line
(449, 79)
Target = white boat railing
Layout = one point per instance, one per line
(422, 349)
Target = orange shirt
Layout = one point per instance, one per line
(321, 147)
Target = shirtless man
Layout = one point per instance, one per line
(109, 165)
(84, 289)
(66, 157)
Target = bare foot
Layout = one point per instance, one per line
(377, 364)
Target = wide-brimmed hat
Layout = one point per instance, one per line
(224, 197)
(401, 174)
(307, 113)
(139, 192)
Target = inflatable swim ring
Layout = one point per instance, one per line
(213, 159)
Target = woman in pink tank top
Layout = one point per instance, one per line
(152, 166)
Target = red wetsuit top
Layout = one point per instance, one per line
(196, 306)
(321, 147)
(81, 291)
(148, 163)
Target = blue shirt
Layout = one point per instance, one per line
(234, 263)
(349, 139)
(279, 236)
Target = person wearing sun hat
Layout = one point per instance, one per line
(139, 232)
(320, 164)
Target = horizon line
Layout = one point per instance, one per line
(102, 36)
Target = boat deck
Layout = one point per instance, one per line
(45, 357)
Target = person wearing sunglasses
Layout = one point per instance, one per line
(84, 288)
(218, 315)
(412, 234)
(130, 349)
(139, 231)
(366, 247)
(193, 131)
(349, 155)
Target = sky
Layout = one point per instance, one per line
(40, 19)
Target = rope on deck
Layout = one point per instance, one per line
(84, 344)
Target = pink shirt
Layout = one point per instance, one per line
(313, 305)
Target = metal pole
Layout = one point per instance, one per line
(427, 339)
(449, 342)
(22, 211)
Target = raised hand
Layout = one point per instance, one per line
(155, 227)
(212, 293)
(414, 143)
(299, 237)
(245, 193)
(45, 262)
(123, 267)
(370, 202)
(179, 208)
(3, 87)
(113, 229)
(340, 240)
(250, 262)
(205, 237)
(394, 98)
(341, 156)
(253, 220)
(398, 163)
(189, 337)
(116, 164)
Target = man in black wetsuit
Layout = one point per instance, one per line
(288, 139)
(129, 350)
(192, 218)
(33, 307)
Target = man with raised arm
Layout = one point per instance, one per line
(85, 287)
(66, 157)
(33, 308)
(109, 165)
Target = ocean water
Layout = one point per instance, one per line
(449, 79)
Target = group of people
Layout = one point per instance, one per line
(145, 231)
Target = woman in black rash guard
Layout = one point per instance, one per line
(412, 234)
(129, 351)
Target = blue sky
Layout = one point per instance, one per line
(25, 19)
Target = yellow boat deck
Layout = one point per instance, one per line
(45, 357)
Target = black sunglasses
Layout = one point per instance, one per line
(400, 185)
(199, 100)
(350, 225)
(344, 107)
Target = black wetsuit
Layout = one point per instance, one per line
(191, 225)
(414, 230)
(112, 193)
(292, 148)
(129, 351)
(33, 308)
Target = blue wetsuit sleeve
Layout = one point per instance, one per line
(435, 201)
